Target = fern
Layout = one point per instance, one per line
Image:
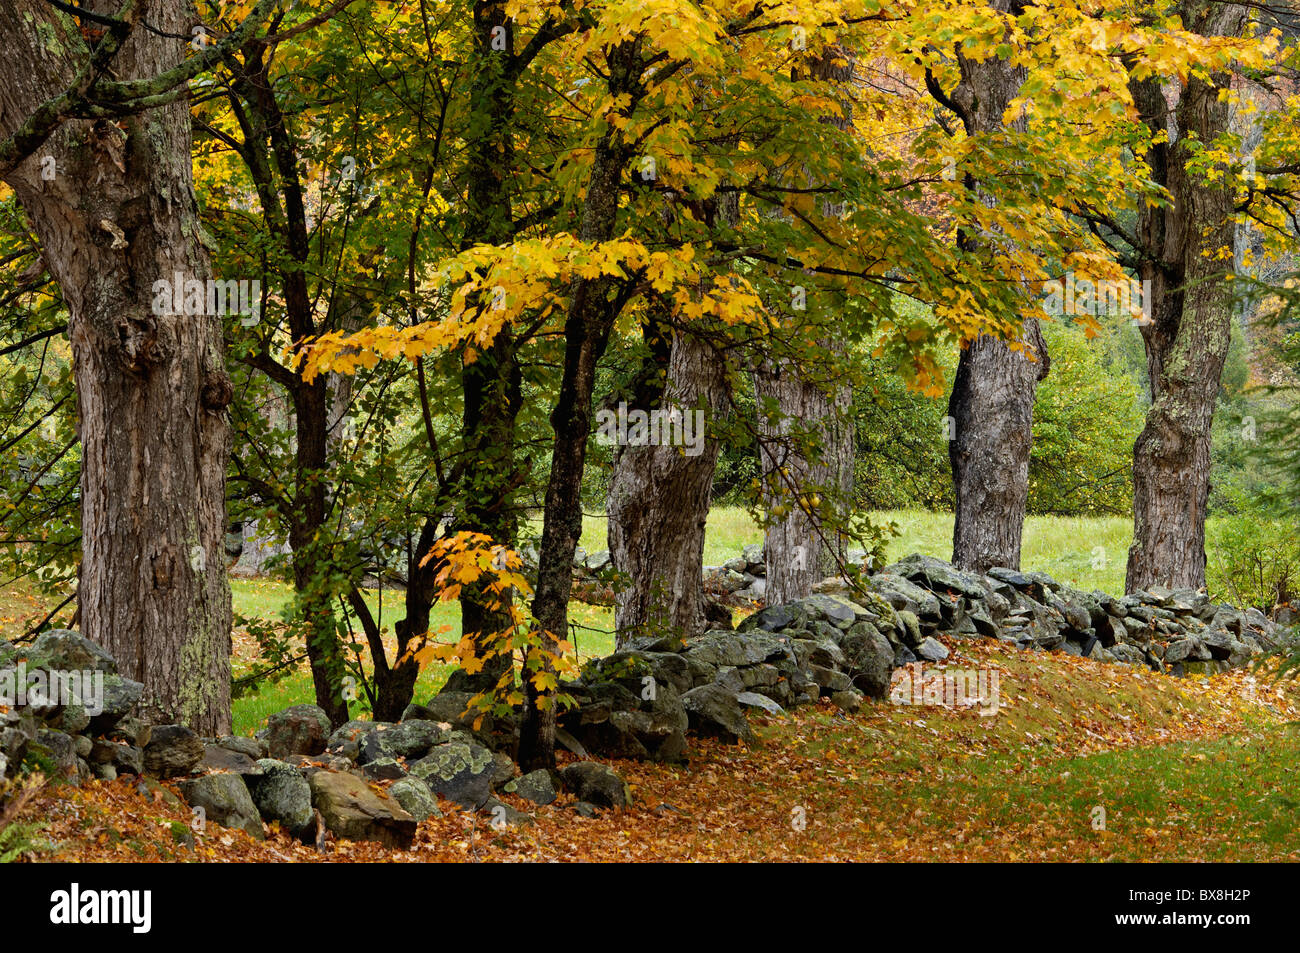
(18, 839)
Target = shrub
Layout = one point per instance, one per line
(1255, 559)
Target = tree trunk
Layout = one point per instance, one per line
(808, 542)
(802, 546)
(271, 153)
(491, 384)
(118, 215)
(992, 413)
(586, 333)
(659, 500)
(1191, 315)
(991, 409)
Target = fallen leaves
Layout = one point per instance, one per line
(891, 783)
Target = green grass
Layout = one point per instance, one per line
(266, 599)
(1064, 547)
(1225, 799)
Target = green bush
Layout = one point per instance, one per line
(1254, 559)
(1088, 412)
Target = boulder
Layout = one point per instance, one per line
(535, 786)
(224, 799)
(744, 647)
(353, 811)
(217, 758)
(714, 711)
(281, 794)
(300, 729)
(119, 698)
(755, 700)
(416, 798)
(932, 650)
(502, 815)
(66, 651)
(870, 658)
(596, 784)
(458, 771)
(410, 739)
(849, 701)
(172, 750)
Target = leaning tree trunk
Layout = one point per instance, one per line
(659, 500)
(991, 408)
(1182, 249)
(118, 215)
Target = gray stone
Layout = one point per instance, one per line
(353, 811)
(596, 783)
(410, 739)
(830, 680)
(746, 647)
(217, 758)
(300, 729)
(755, 700)
(848, 701)
(225, 800)
(119, 699)
(172, 750)
(252, 747)
(416, 798)
(714, 711)
(502, 815)
(384, 769)
(282, 795)
(67, 651)
(932, 650)
(535, 786)
(59, 748)
(459, 772)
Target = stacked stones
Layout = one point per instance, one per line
(56, 728)
(1178, 632)
(842, 643)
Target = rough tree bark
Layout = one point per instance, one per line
(659, 501)
(119, 214)
(1188, 333)
(659, 496)
(795, 549)
(991, 408)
